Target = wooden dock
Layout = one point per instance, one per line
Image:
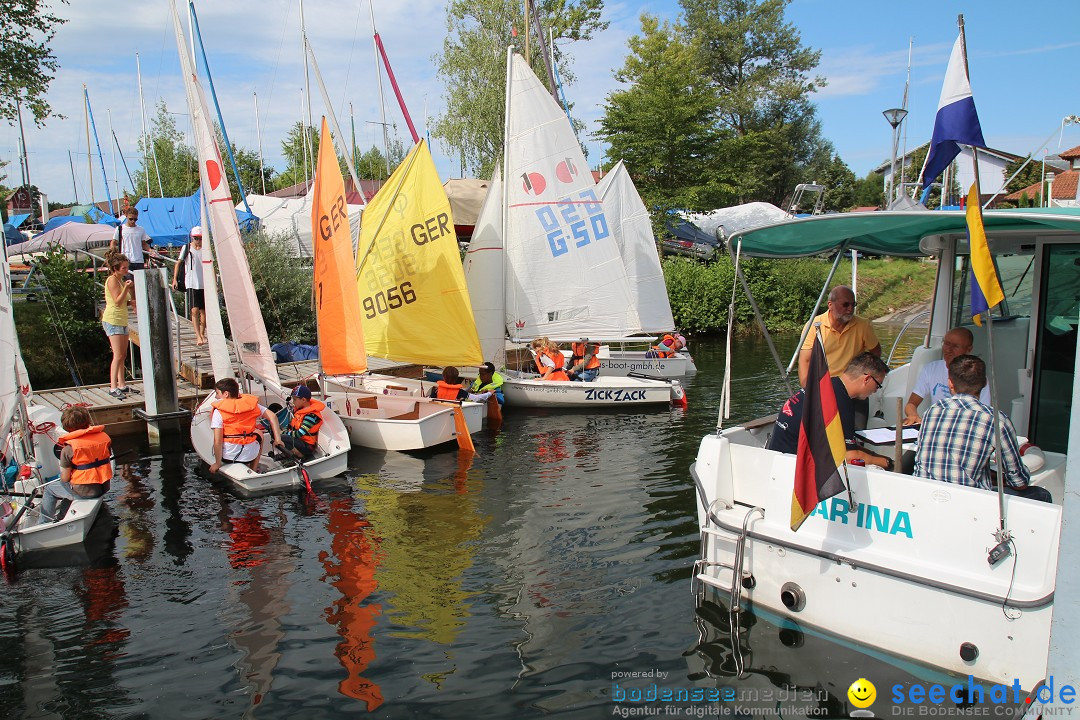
(194, 382)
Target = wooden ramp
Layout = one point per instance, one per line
(195, 381)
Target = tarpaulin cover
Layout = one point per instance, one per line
(168, 221)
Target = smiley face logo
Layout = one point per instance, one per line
(862, 693)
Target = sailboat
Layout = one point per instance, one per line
(410, 295)
(633, 232)
(258, 372)
(30, 433)
(543, 260)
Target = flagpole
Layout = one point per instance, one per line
(1002, 533)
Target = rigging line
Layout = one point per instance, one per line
(65, 344)
(277, 58)
(348, 66)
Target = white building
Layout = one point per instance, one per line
(992, 174)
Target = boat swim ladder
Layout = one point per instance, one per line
(713, 531)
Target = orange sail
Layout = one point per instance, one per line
(341, 336)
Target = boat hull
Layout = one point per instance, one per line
(602, 392)
(905, 571)
(620, 363)
(70, 530)
(401, 422)
(332, 459)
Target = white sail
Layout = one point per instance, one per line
(10, 357)
(245, 317)
(637, 245)
(565, 276)
(484, 274)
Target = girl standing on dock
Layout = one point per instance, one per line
(119, 294)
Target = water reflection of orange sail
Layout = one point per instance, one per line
(427, 539)
(260, 548)
(352, 563)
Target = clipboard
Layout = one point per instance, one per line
(887, 435)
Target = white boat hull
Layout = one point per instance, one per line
(525, 391)
(620, 363)
(906, 572)
(332, 457)
(70, 530)
(401, 422)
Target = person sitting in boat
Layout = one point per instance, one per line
(488, 381)
(933, 381)
(957, 437)
(668, 345)
(235, 424)
(549, 360)
(584, 363)
(86, 469)
(450, 387)
(844, 335)
(861, 379)
(301, 437)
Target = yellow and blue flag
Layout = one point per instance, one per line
(985, 286)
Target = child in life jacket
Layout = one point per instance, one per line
(86, 468)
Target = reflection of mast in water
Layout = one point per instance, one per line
(263, 551)
(427, 541)
(352, 566)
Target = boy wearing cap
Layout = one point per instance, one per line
(301, 437)
(488, 381)
(191, 260)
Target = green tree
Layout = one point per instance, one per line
(298, 163)
(668, 153)
(760, 72)
(868, 192)
(834, 174)
(27, 64)
(177, 165)
(372, 164)
(1030, 175)
(473, 67)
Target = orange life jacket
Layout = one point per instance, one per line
(446, 391)
(91, 456)
(560, 362)
(239, 417)
(579, 350)
(312, 435)
(662, 351)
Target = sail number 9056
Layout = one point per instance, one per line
(383, 302)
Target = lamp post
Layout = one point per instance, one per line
(1049, 189)
(895, 116)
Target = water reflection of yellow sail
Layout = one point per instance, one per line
(427, 541)
(352, 563)
(261, 549)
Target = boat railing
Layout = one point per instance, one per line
(896, 343)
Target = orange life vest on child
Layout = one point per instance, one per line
(662, 350)
(560, 362)
(579, 350)
(313, 406)
(91, 455)
(239, 417)
(446, 391)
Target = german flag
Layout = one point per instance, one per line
(821, 442)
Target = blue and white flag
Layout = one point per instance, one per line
(956, 121)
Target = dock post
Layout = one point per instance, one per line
(162, 413)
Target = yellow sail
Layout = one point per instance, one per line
(341, 337)
(413, 298)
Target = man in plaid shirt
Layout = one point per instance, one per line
(957, 437)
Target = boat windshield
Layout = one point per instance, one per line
(1016, 273)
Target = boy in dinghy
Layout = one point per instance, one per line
(301, 437)
(85, 463)
(235, 425)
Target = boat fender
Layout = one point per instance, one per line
(793, 597)
(1033, 457)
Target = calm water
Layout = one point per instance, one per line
(514, 586)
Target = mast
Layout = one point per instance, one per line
(527, 23)
(303, 137)
(89, 155)
(505, 175)
(24, 161)
(115, 174)
(382, 103)
(307, 95)
(74, 187)
(352, 125)
(903, 105)
(196, 34)
(147, 140)
(258, 132)
(123, 161)
(397, 93)
(97, 143)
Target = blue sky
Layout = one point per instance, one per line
(1024, 62)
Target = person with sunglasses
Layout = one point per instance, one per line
(844, 335)
(861, 379)
(132, 240)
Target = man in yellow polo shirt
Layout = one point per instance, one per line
(843, 333)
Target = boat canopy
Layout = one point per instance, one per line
(889, 233)
(169, 220)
